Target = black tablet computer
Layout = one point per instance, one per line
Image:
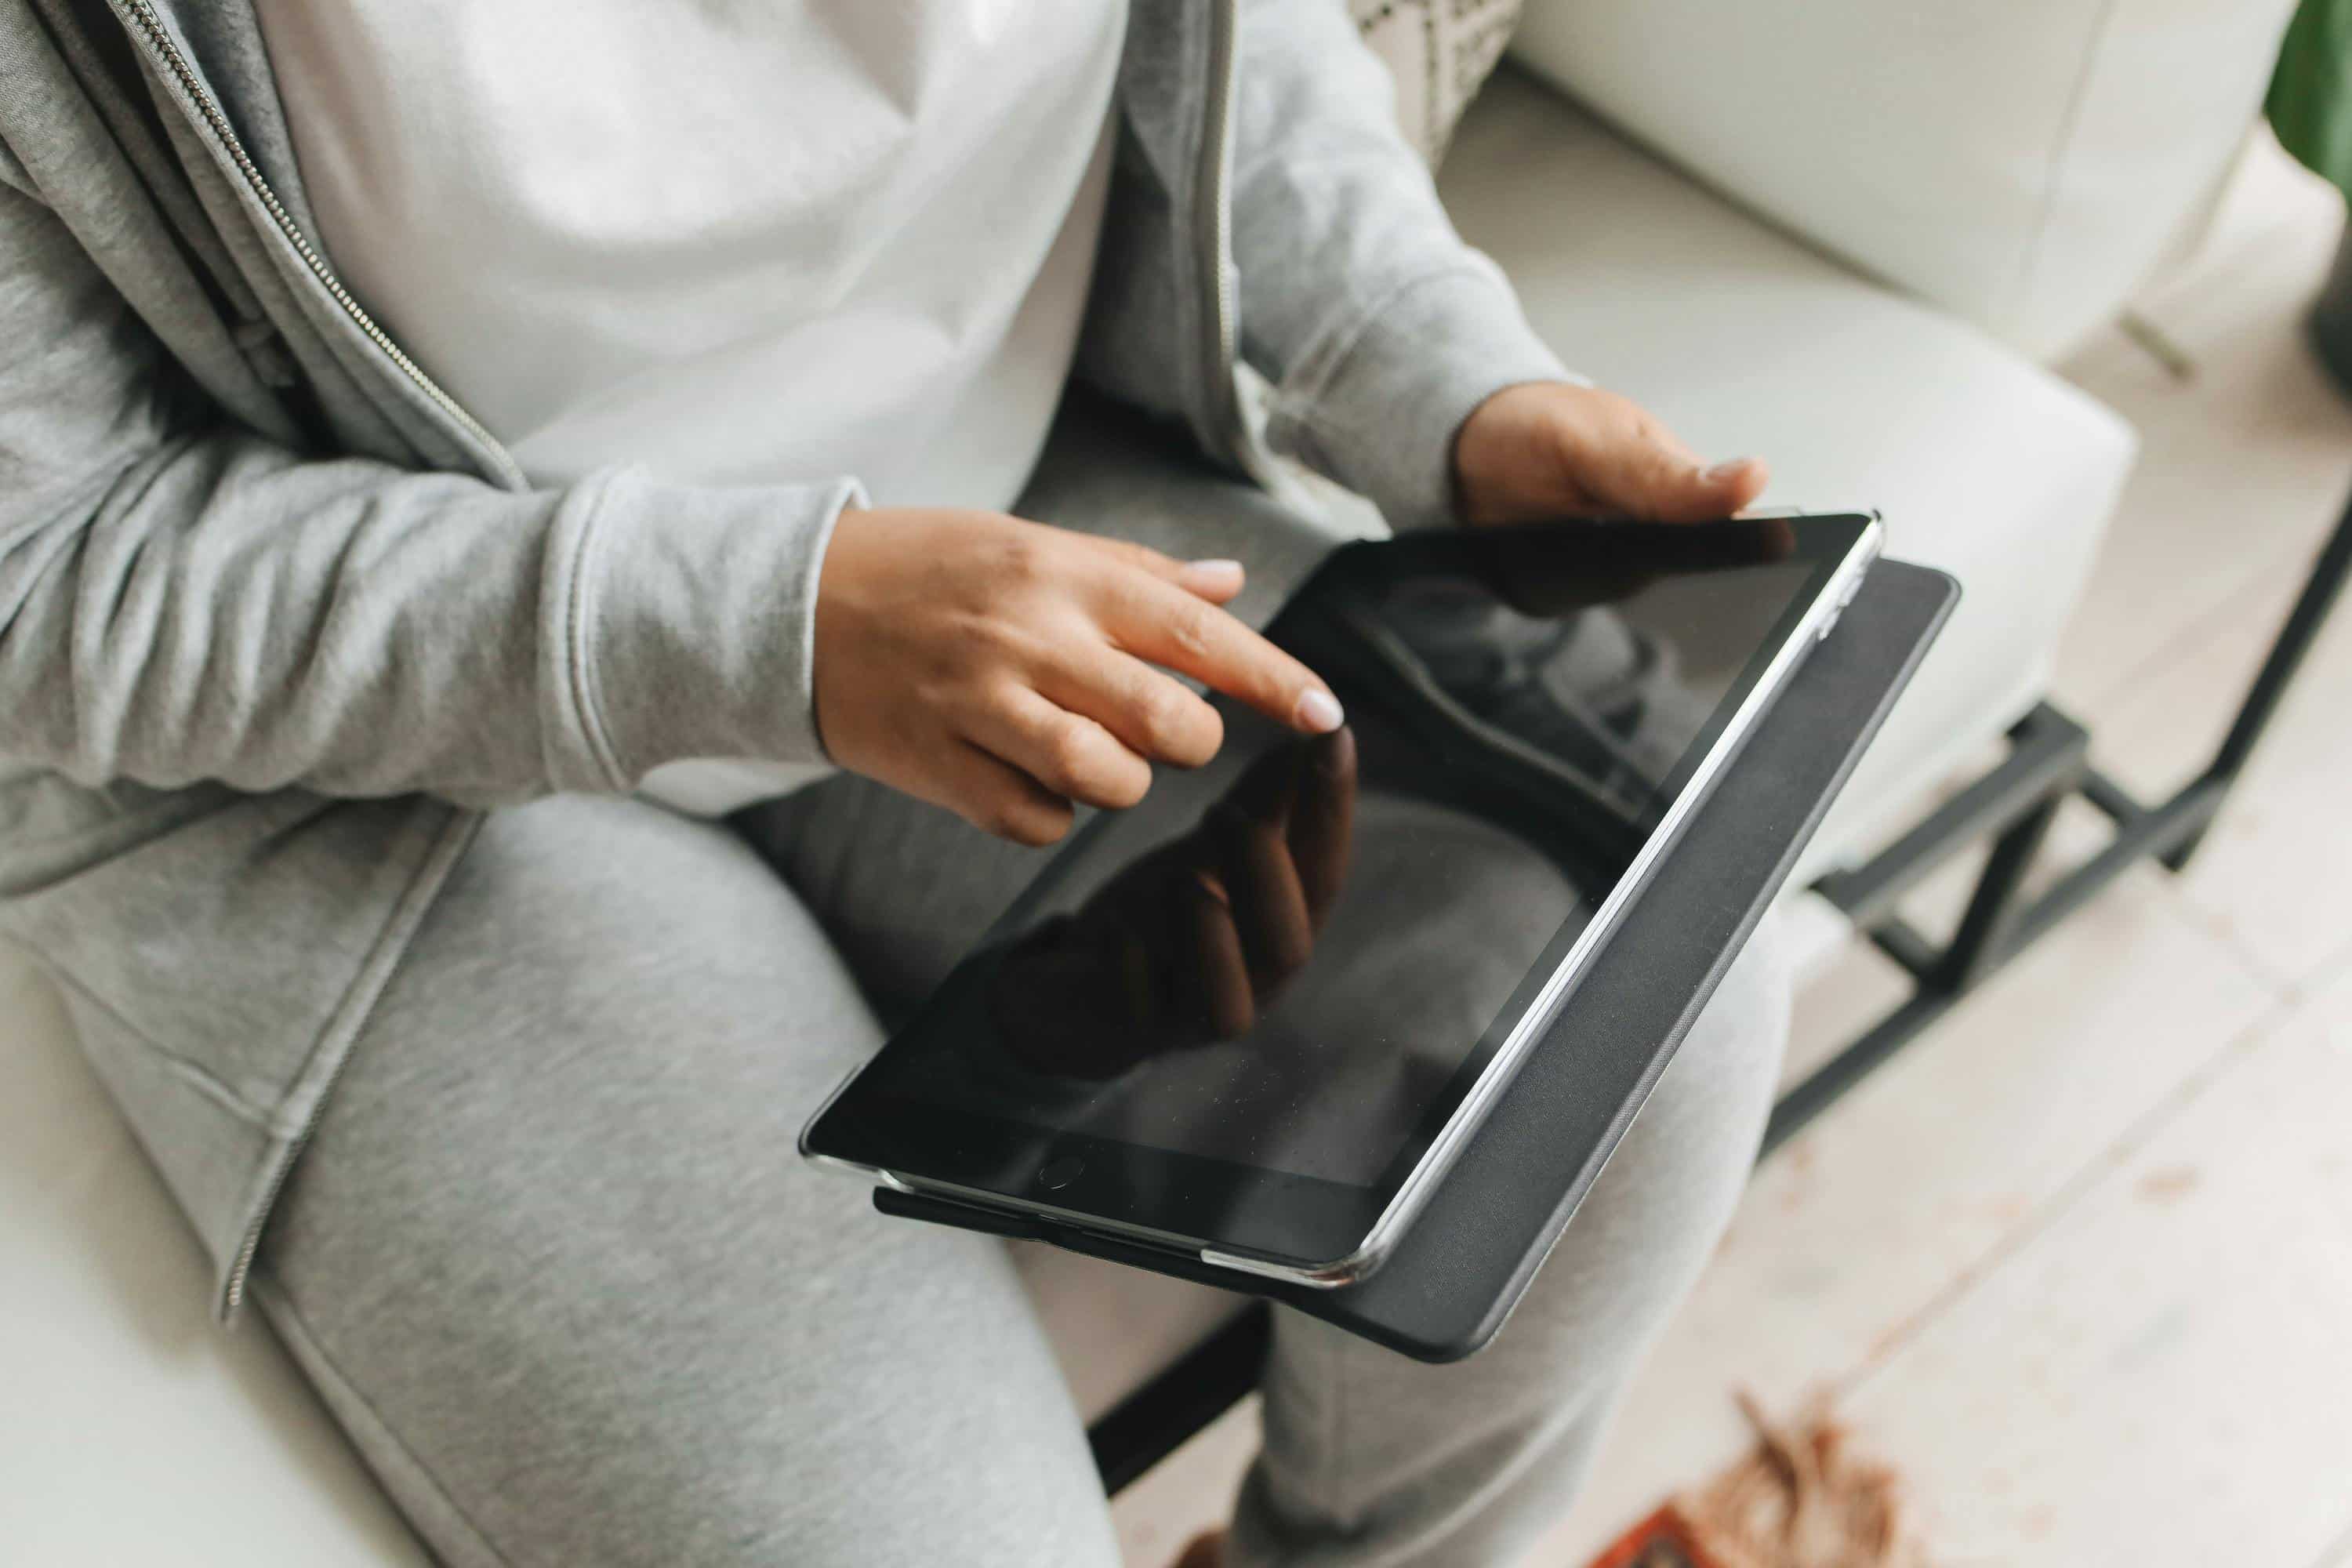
(1252, 1018)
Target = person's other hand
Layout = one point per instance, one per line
(1190, 943)
(1548, 449)
(1003, 669)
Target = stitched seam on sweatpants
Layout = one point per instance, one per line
(287, 1319)
(339, 1036)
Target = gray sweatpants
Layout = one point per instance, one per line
(553, 1260)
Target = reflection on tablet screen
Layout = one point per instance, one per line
(1242, 969)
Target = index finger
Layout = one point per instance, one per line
(1323, 820)
(1159, 622)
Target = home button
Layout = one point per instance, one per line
(1062, 1172)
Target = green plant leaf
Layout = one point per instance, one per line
(2310, 103)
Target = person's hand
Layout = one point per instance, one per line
(1190, 943)
(1548, 449)
(1003, 669)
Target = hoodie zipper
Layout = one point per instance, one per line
(1214, 236)
(164, 53)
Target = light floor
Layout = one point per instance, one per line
(2080, 1263)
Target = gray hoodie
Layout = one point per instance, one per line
(278, 618)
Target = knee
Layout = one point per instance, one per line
(1686, 1158)
(1717, 1093)
(1663, 1201)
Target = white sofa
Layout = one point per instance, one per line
(2008, 168)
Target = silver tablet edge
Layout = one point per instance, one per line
(1819, 616)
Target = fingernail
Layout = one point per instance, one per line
(1319, 711)
(1725, 468)
(1219, 576)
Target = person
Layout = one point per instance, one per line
(551, 571)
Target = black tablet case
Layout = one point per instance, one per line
(1457, 1272)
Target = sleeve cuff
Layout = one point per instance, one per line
(1377, 409)
(693, 624)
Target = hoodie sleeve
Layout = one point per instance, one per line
(1378, 327)
(184, 600)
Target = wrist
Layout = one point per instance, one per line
(1381, 413)
(1504, 469)
(697, 625)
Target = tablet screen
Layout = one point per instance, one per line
(1243, 1009)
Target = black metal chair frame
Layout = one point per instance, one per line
(2014, 805)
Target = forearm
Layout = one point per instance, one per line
(225, 610)
(1380, 330)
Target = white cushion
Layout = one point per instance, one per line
(131, 1429)
(1748, 342)
(2020, 163)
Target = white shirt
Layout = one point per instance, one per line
(736, 243)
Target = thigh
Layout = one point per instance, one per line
(553, 1259)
